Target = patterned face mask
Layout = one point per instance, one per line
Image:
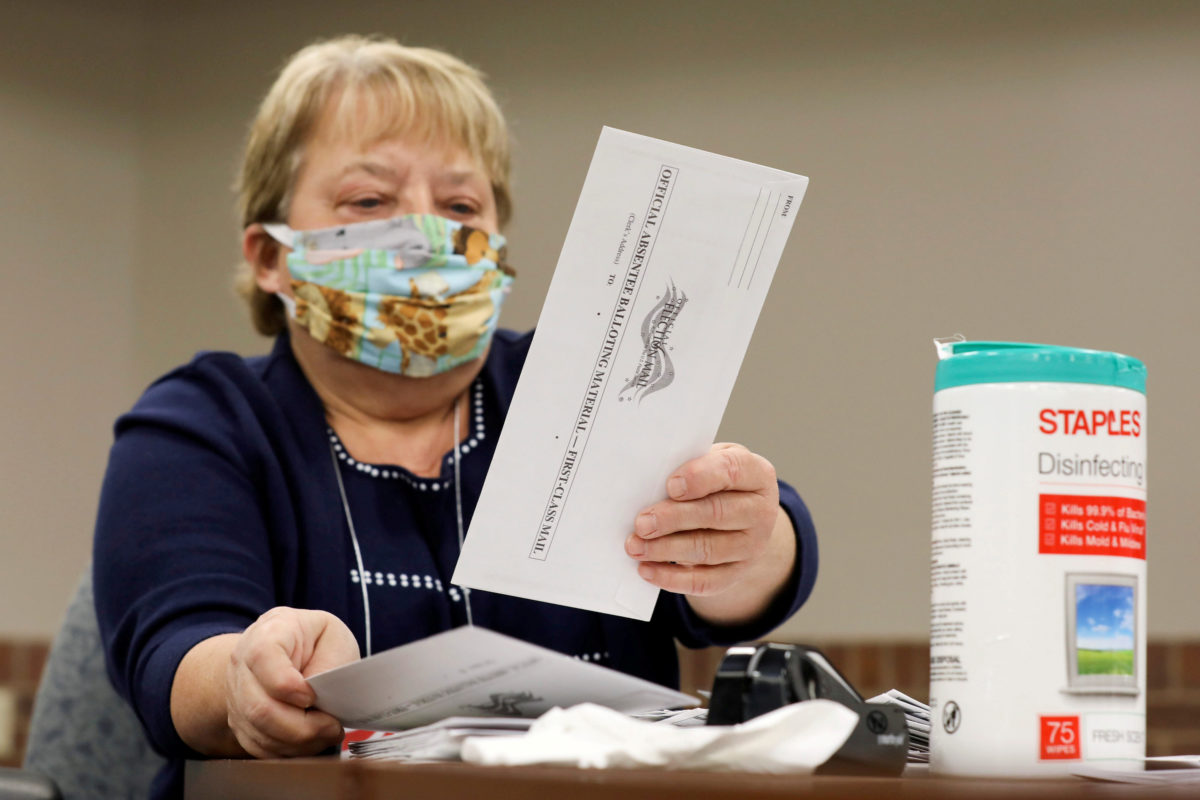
(415, 295)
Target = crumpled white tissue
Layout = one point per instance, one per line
(796, 738)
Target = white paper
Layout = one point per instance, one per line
(439, 741)
(916, 718)
(656, 293)
(474, 672)
(796, 738)
(1160, 770)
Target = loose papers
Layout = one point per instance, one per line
(438, 741)
(443, 741)
(1160, 771)
(474, 672)
(657, 290)
(916, 718)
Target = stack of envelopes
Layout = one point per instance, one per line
(916, 715)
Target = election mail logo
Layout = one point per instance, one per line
(655, 370)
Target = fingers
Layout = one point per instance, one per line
(335, 645)
(268, 698)
(273, 649)
(715, 526)
(726, 467)
(695, 581)
(723, 511)
(730, 523)
(694, 547)
(270, 728)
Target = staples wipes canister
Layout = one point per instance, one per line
(1038, 563)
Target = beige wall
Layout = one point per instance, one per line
(1020, 171)
(69, 182)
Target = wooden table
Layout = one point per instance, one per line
(331, 778)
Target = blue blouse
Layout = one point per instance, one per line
(220, 502)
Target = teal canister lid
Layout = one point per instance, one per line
(966, 363)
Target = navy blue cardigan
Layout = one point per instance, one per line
(220, 502)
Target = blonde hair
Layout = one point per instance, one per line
(380, 89)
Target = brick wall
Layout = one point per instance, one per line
(872, 668)
(1172, 703)
(1173, 698)
(1173, 682)
(21, 663)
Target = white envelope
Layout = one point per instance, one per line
(475, 672)
(649, 313)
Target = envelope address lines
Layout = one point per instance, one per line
(610, 345)
(755, 236)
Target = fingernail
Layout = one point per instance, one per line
(645, 524)
(635, 546)
(677, 487)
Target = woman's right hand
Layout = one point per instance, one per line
(269, 703)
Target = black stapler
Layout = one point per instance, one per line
(754, 680)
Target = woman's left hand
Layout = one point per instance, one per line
(721, 538)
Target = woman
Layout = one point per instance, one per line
(265, 519)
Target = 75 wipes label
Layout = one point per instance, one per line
(1060, 738)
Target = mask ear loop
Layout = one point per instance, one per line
(362, 575)
(280, 233)
(458, 504)
(287, 237)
